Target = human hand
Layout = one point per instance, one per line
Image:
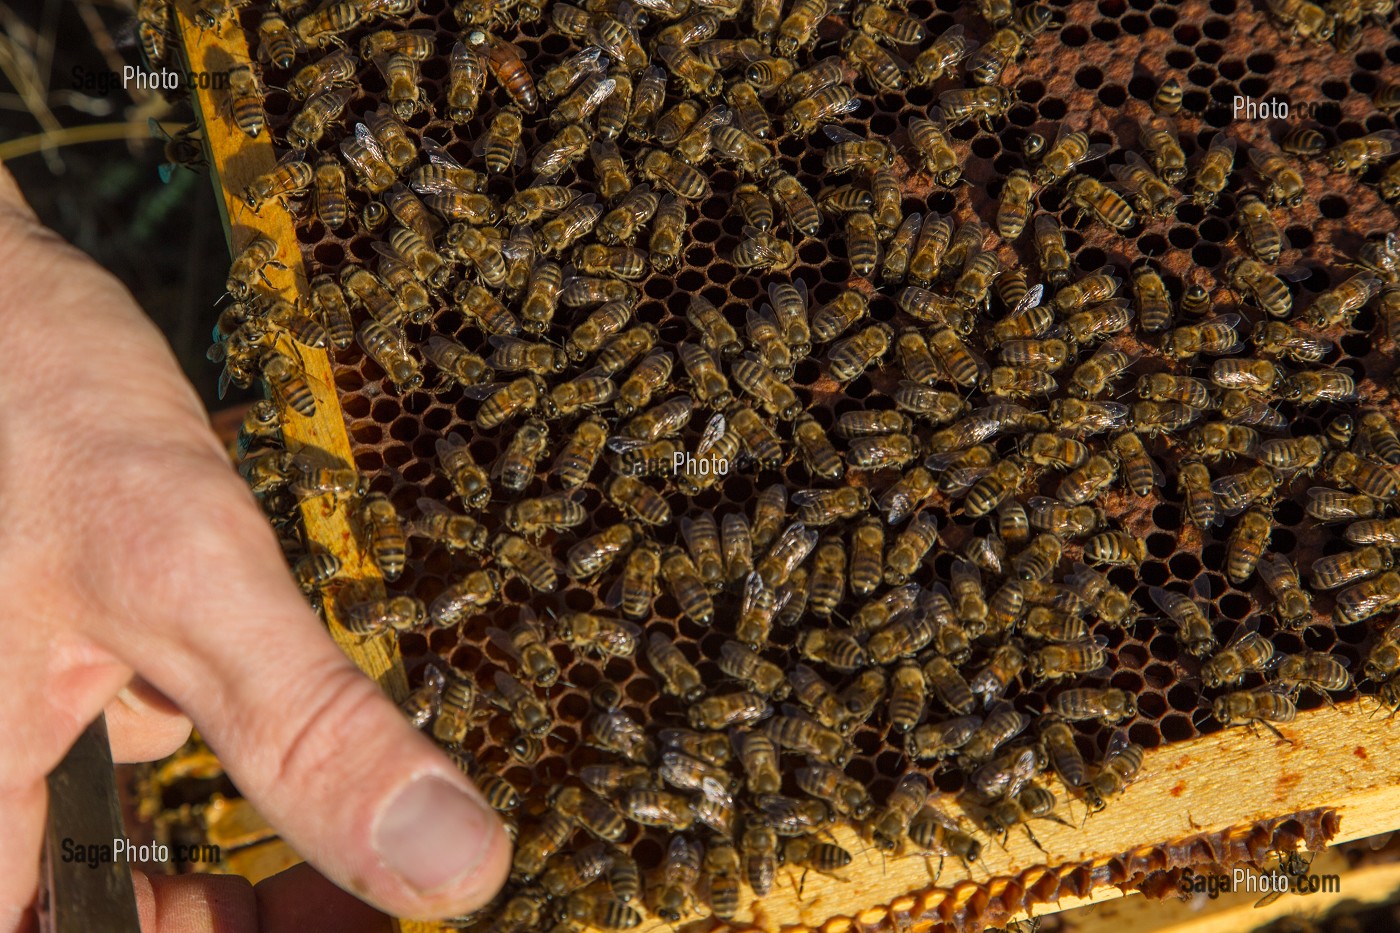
(135, 566)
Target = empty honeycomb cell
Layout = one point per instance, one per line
(1216, 28)
(1153, 573)
(1182, 236)
(1201, 75)
(1135, 24)
(1209, 52)
(1231, 69)
(1088, 77)
(1299, 237)
(1105, 30)
(1073, 36)
(1112, 95)
(1335, 90)
(1288, 512)
(1206, 255)
(1179, 59)
(1187, 34)
(1142, 87)
(1163, 17)
(1146, 735)
(1234, 605)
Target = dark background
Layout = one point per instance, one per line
(163, 240)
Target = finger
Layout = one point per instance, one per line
(301, 900)
(23, 812)
(11, 198)
(195, 903)
(314, 744)
(143, 725)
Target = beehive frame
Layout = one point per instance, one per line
(1199, 777)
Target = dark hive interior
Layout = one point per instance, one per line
(1096, 71)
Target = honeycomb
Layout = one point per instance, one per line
(1097, 72)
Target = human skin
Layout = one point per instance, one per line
(138, 576)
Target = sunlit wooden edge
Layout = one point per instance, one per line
(235, 160)
(1236, 912)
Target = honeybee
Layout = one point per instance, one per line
(315, 117)
(686, 585)
(1279, 339)
(910, 548)
(1122, 761)
(526, 645)
(797, 205)
(246, 100)
(399, 613)
(1337, 570)
(1069, 150)
(389, 352)
(667, 231)
(532, 517)
(1284, 183)
(787, 552)
(1193, 629)
(619, 733)
(516, 555)
(1341, 304)
(940, 58)
(475, 591)
(889, 826)
(1149, 193)
(558, 154)
(1356, 155)
(827, 584)
(586, 98)
(1213, 174)
(500, 145)
(507, 66)
(761, 443)
(825, 104)
(1058, 742)
(1215, 336)
(1264, 705)
(1330, 505)
(1365, 476)
(1103, 203)
(934, 147)
(980, 104)
(1317, 670)
(1051, 250)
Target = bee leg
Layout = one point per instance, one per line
(1271, 728)
(1034, 841)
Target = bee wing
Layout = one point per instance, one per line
(1275, 570)
(808, 496)
(714, 430)
(1031, 299)
(1172, 603)
(369, 141)
(839, 134)
(1117, 744)
(387, 251)
(1116, 411)
(621, 445)
(483, 391)
(1223, 142)
(966, 570)
(462, 56)
(1259, 158)
(504, 342)
(432, 506)
(434, 676)
(614, 595)
(504, 642)
(597, 95)
(754, 588)
(1248, 630)
(1293, 273)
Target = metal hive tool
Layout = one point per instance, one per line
(1217, 49)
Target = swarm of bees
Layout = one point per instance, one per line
(891, 506)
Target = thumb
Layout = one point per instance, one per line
(312, 742)
(11, 198)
